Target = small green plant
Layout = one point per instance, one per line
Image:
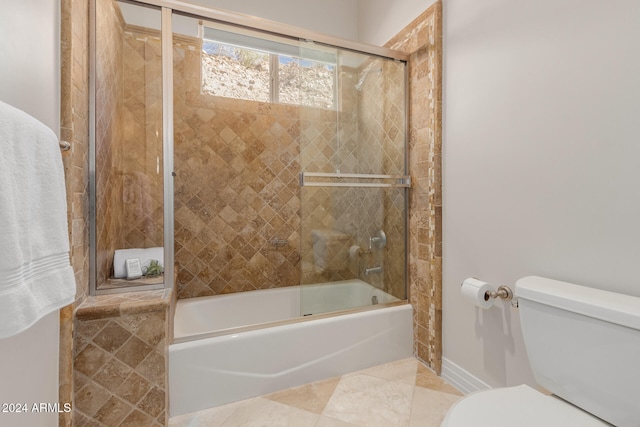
(154, 269)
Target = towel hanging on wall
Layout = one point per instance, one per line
(36, 277)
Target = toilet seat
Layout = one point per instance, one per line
(519, 406)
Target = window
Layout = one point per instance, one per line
(242, 66)
(305, 82)
(235, 72)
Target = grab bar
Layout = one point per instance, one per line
(399, 180)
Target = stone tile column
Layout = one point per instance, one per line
(120, 346)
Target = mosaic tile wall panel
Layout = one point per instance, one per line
(422, 39)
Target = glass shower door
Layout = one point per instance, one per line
(354, 190)
(128, 147)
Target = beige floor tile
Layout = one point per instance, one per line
(372, 402)
(213, 417)
(380, 396)
(426, 378)
(429, 407)
(332, 422)
(311, 397)
(401, 370)
(261, 412)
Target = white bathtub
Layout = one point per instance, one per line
(218, 357)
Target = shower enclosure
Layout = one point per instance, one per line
(248, 155)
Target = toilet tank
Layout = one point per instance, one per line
(583, 345)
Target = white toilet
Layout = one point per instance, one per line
(584, 347)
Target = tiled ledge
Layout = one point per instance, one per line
(112, 305)
(120, 353)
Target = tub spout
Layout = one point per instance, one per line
(372, 270)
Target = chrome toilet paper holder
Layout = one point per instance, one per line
(503, 292)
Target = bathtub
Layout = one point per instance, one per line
(232, 347)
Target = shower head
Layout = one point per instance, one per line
(364, 75)
(358, 85)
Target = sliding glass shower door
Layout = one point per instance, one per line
(260, 159)
(354, 190)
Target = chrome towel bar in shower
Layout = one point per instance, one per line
(323, 179)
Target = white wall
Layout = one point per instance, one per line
(30, 80)
(30, 58)
(380, 20)
(29, 372)
(368, 21)
(333, 17)
(541, 160)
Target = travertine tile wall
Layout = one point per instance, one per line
(142, 174)
(109, 135)
(129, 176)
(381, 114)
(74, 128)
(236, 187)
(120, 360)
(369, 140)
(362, 211)
(422, 39)
(237, 165)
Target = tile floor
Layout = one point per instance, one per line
(403, 393)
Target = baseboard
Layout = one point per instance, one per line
(461, 379)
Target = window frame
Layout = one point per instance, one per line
(275, 48)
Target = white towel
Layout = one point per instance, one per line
(36, 277)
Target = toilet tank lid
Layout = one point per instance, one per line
(596, 303)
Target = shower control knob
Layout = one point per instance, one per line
(378, 240)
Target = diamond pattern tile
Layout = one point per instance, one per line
(237, 183)
(237, 164)
(119, 368)
(236, 190)
(129, 180)
(109, 137)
